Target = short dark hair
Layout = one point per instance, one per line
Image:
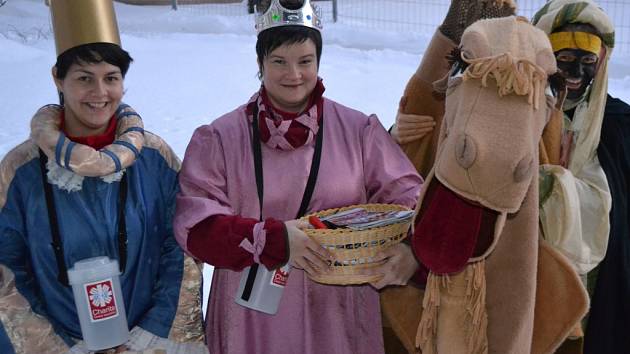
(272, 38)
(93, 53)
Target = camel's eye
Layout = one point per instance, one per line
(458, 65)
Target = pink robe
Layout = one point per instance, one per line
(360, 164)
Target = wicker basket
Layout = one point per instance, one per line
(353, 250)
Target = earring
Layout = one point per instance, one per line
(61, 100)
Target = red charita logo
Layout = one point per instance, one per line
(101, 301)
(280, 277)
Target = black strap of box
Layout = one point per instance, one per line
(57, 245)
(258, 171)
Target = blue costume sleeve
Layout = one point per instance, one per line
(158, 320)
(5, 343)
(19, 293)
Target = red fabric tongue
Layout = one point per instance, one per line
(446, 234)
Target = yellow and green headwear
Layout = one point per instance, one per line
(589, 113)
(575, 40)
(559, 13)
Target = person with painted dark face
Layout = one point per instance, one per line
(577, 66)
(83, 186)
(584, 205)
(231, 217)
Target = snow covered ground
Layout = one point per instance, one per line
(192, 67)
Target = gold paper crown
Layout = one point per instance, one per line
(277, 15)
(78, 22)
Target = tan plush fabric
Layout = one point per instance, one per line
(401, 306)
(488, 153)
(28, 332)
(419, 98)
(84, 160)
(559, 307)
(155, 142)
(454, 318)
(495, 114)
(532, 302)
(552, 135)
(494, 117)
(15, 158)
(186, 326)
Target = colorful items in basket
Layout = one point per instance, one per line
(316, 222)
(355, 235)
(362, 219)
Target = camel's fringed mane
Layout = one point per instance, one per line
(512, 75)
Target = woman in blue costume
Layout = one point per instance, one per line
(91, 182)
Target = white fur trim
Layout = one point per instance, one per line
(62, 178)
(114, 177)
(70, 181)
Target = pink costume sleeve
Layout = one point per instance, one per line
(389, 175)
(204, 217)
(203, 185)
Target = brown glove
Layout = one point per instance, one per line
(462, 13)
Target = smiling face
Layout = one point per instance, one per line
(92, 93)
(289, 74)
(578, 67)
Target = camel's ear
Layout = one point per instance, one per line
(474, 45)
(547, 61)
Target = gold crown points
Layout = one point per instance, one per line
(277, 15)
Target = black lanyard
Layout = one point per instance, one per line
(258, 170)
(54, 225)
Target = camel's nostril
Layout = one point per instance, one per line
(523, 169)
(466, 151)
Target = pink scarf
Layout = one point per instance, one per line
(285, 130)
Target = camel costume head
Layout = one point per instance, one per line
(496, 109)
(495, 113)
(477, 224)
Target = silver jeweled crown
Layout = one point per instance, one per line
(277, 15)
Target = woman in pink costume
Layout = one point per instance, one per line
(230, 217)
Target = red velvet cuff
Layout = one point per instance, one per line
(276, 251)
(216, 241)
